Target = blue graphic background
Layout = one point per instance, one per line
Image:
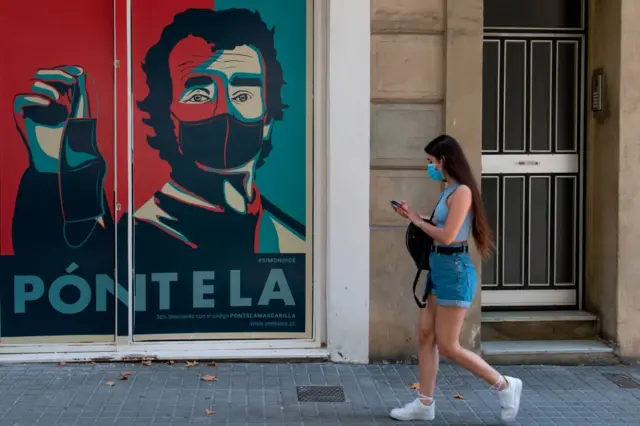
(283, 177)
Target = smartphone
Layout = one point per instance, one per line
(394, 203)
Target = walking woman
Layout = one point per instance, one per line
(452, 281)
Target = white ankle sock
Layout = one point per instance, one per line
(498, 384)
(424, 398)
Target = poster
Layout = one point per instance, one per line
(221, 177)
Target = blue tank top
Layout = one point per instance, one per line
(442, 212)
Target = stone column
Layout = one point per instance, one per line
(613, 176)
(629, 183)
(602, 182)
(407, 90)
(463, 111)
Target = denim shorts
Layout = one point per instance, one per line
(452, 279)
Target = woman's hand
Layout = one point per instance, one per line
(409, 214)
(398, 209)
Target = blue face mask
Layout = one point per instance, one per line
(433, 173)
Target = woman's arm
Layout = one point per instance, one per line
(459, 204)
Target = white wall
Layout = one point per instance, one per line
(348, 180)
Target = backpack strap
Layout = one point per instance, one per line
(436, 206)
(421, 304)
(440, 199)
(454, 190)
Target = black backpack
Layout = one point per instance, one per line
(419, 245)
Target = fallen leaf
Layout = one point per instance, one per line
(110, 383)
(209, 412)
(415, 386)
(171, 362)
(458, 396)
(191, 364)
(212, 364)
(146, 363)
(209, 378)
(62, 364)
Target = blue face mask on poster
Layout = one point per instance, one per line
(433, 173)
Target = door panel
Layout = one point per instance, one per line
(567, 93)
(514, 96)
(531, 168)
(565, 226)
(539, 230)
(541, 95)
(536, 221)
(531, 94)
(513, 188)
(491, 78)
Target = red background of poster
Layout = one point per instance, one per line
(42, 34)
(47, 33)
(149, 171)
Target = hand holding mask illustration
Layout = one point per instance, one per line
(57, 95)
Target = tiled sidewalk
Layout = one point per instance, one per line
(265, 394)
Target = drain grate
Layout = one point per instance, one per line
(320, 394)
(622, 380)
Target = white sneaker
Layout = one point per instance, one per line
(510, 399)
(414, 410)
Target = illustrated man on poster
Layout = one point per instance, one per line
(214, 97)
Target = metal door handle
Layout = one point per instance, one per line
(528, 163)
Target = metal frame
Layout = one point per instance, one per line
(130, 251)
(530, 163)
(583, 172)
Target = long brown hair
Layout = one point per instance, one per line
(455, 164)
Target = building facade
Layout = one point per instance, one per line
(541, 94)
(212, 179)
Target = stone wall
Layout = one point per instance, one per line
(426, 78)
(613, 189)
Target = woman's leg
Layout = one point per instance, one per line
(449, 320)
(422, 408)
(427, 351)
